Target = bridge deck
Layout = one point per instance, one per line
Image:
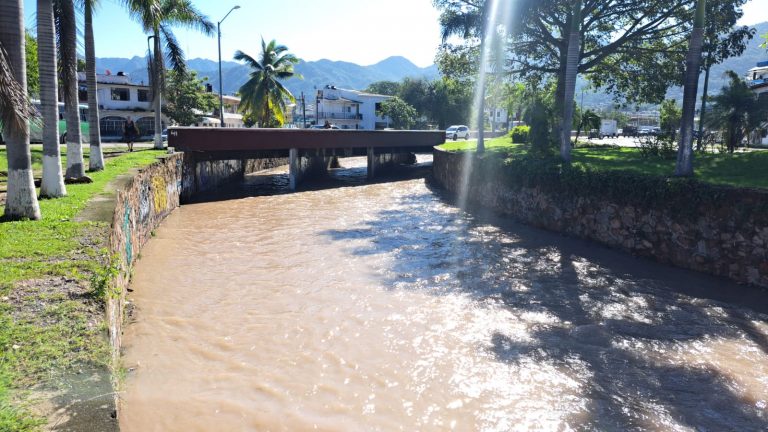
(241, 139)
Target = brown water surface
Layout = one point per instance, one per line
(384, 307)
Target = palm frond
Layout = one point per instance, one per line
(15, 108)
(241, 56)
(145, 12)
(183, 13)
(173, 52)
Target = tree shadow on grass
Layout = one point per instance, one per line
(641, 338)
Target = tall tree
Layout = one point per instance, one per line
(96, 158)
(569, 82)
(157, 18)
(402, 114)
(15, 110)
(722, 40)
(684, 166)
(263, 94)
(186, 98)
(737, 111)
(52, 185)
(67, 22)
(631, 48)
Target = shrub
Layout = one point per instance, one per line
(662, 146)
(520, 134)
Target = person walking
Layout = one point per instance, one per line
(130, 132)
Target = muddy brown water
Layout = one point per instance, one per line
(383, 307)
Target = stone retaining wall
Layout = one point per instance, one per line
(723, 239)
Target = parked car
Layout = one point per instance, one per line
(323, 127)
(457, 131)
(164, 135)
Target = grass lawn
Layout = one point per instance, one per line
(47, 330)
(747, 169)
(37, 160)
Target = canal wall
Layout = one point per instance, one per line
(722, 231)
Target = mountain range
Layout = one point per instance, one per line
(316, 74)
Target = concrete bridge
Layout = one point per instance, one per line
(308, 151)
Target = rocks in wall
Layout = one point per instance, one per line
(722, 239)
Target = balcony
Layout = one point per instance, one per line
(339, 116)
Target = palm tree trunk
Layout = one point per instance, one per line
(703, 111)
(52, 185)
(684, 167)
(96, 158)
(21, 201)
(158, 88)
(571, 71)
(75, 166)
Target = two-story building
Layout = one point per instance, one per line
(757, 79)
(119, 98)
(350, 109)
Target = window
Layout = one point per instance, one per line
(143, 95)
(121, 94)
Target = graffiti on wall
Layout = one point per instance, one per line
(160, 194)
(127, 232)
(144, 205)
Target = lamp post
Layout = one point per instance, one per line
(221, 85)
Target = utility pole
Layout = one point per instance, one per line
(221, 85)
(303, 111)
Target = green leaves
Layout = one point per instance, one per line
(263, 95)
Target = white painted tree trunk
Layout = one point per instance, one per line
(52, 185)
(75, 165)
(96, 158)
(21, 201)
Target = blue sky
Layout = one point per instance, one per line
(358, 31)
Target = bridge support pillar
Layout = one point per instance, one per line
(371, 163)
(302, 164)
(381, 161)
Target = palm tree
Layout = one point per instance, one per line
(15, 110)
(571, 71)
(96, 158)
(263, 94)
(52, 185)
(737, 111)
(68, 66)
(684, 166)
(156, 18)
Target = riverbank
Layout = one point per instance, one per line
(742, 169)
(709, 228)
(55, 354)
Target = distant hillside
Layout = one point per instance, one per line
(316, 73)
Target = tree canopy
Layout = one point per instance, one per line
(186, 98)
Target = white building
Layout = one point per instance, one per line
(498, 118)
(119, 99)
(232, 116)
(757, 79)
(349, 109)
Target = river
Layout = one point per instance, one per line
(383, 307)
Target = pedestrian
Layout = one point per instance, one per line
(327, 125)
(130, 132)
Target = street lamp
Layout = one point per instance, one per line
(221, 86)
